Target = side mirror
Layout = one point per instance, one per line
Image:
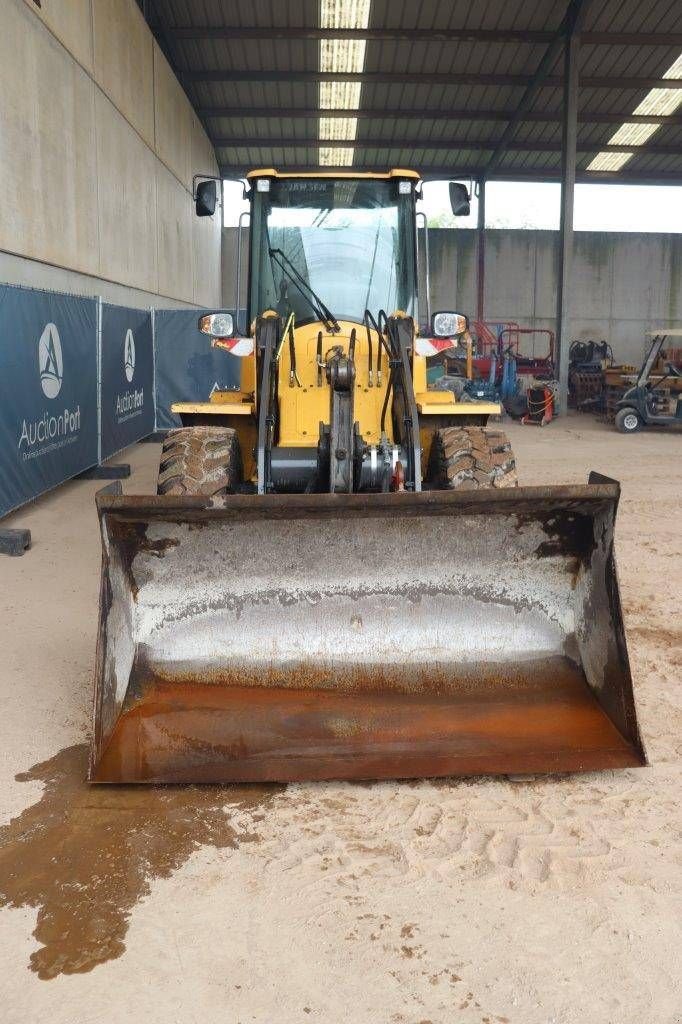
(449, 325)
(206, 198)
(459, 199)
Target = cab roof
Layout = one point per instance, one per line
(396, 172)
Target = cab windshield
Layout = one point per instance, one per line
(350, 241)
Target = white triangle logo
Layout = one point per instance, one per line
(50, 361)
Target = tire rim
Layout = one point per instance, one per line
(630, 421)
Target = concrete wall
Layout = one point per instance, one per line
(623, 284)
(98, 146)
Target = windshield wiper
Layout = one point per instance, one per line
(321, 311)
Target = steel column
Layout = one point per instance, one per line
(569, 136)
(480, 249)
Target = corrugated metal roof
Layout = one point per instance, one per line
(260, 105)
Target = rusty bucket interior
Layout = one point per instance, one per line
(361, 637)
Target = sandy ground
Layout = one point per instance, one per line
(549, 901)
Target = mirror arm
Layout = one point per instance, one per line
(427, 274)
(242, 215)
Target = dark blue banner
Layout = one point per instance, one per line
(48, 375)
(187, 368)
(127, 377)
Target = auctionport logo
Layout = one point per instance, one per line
(129, 356)
(129, 404)
(51, 430)
(50, 361)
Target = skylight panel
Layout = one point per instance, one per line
(341, 56)
(657, 102)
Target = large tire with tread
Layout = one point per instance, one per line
(468, 458)
(200, 460)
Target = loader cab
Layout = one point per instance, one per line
(333, 390)
(350, 239)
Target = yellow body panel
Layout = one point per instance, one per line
(231, 407)
(419, 374)
(302, 409)
(439, 398)
(429, 408)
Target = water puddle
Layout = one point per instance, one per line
(85, 855)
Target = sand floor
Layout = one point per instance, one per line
(549, 901)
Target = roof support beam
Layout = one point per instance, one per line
(428, 35)
(460, 172)
(164, 31)
(549, 59)
(444, 145)
(168, 44)
(413, 78)
(427, 114)
(569, 135)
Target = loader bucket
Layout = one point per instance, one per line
(290, 637)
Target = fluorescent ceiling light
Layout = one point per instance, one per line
(341, 56)
(659, 102)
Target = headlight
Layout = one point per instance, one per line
(449, 325)
(218, 325)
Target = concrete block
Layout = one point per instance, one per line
(629, 340)
(70, 22)
(124, 66)
(510, 275)
(453, 269)
(546, 275)
(541, 343)
(206, 262)
(174, 234)
(173, 119)
(202, 156)
(47, 157)
(641, 275)
(584, 328)
(207, 232)
(24, 271)
(126, 201)
(674, 310)
(592, 274)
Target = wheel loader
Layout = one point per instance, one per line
(339, 577)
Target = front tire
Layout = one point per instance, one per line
(200, 460)
(470, 458)
(628, 421)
